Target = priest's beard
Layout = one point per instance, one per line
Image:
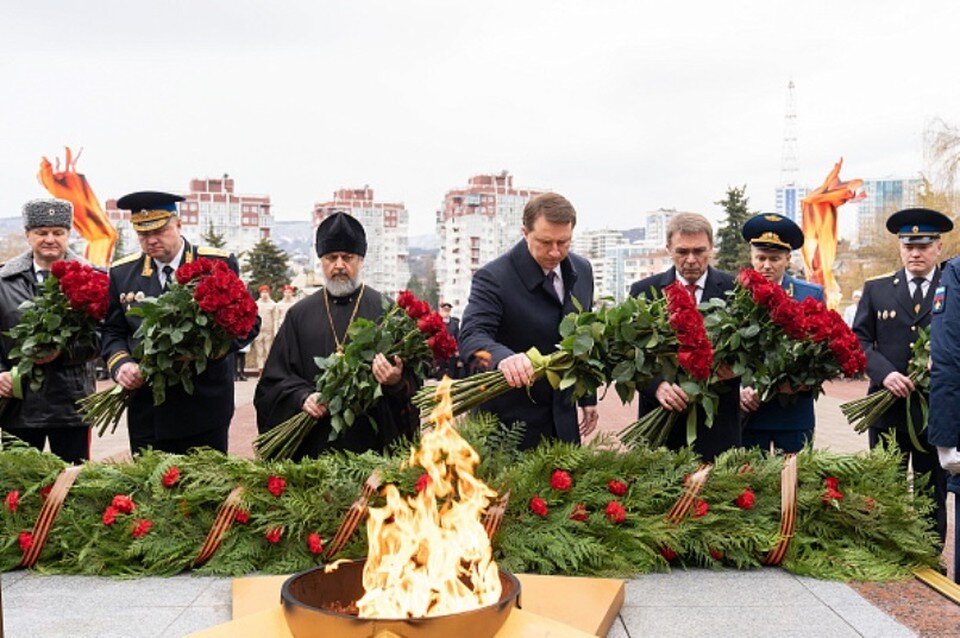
(340, 284)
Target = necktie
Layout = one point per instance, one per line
(692, 289)
(167, 276)
(555, 283)
(917, 294)
(42, 275)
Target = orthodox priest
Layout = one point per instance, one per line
(317, 326)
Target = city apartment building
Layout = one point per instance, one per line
(883, 197)
(386, 225)
(789, 202)
(476, 224)
(241, 219)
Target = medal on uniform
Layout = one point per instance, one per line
(893, 313)
(886, 314)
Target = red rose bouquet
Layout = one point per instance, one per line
(63, 317)
(862, 413)
(409, 330)
(196, 320)
(693, 371)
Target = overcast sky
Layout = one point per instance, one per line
(621, 106)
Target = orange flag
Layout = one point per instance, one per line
(88, 217)
(820, 229)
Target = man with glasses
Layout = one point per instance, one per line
(893, 308)
(317, 326)
(183, 420)
(690, 244)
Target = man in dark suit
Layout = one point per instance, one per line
(183, 420)
(893, 308)
(690, 244)
(450, 367)
(786, 422)
(517, 302)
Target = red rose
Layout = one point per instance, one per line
(315, 544)
(418, 308)
(58, 269)
(700, 508)
(746, 499)
(12, 500)
(431, 324)
(615, 512)
(26, 541)
(274, 535)
(405, 298)
(579, 513)
(832, 483)
(110, 515)
(443, 345)
(539, 506)
(617, 488)
(276, 485)
(171, 477)
(668, 553)
(423, 482)
(242, 517)
(561, 481)
(123, 504)
(141, 528)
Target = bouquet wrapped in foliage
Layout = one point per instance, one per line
(693, 371)
(195, 321)
(72, 301)
(862, 413)
(626, 345)
(408, 330)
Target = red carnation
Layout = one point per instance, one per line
(668, 553)
(617, 488)
(746, 499)
(26, 541)
(58, 269)
(242, 517)
(141, 528)
(579, 513)
(171, 477)
(110, 515)
(12, 500)
(423, 482)
(700, 508)
(276, 485)
(716, 554)
(45, 491)
(274, 535)
(831, 495)
(615, 512)
(315, 544)
(832, 483)
(538, 506)
(561, 481)
(123, 504)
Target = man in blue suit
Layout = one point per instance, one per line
(787, 422)
(690, 244)
(517, 302)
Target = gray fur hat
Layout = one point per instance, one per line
(39, 213)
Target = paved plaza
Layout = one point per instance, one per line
(766, 602)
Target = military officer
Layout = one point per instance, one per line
(183, 420)
(787, 422)
(943, 429)
(893, 308)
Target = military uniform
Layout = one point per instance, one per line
(886, 323)
(943, 429)
(788, 421)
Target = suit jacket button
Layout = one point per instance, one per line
(913, 328)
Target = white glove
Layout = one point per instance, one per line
(949, 459)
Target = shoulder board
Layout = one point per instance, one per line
(214, 252)
(883, 276)
(126, 259)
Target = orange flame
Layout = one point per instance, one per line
(88, 217)
(820, 229)
(429, 555)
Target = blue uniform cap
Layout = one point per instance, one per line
(769, 230)
(918, 225)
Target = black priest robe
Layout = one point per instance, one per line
(290, 372)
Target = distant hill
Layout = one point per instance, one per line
(424, 243)
(634, 234)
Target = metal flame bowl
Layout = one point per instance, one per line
(304, 596)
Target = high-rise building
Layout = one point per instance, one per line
(883, 197)
(599, 247)
(790, 201)
(386, 225)
(211, 204)
(476, 224)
